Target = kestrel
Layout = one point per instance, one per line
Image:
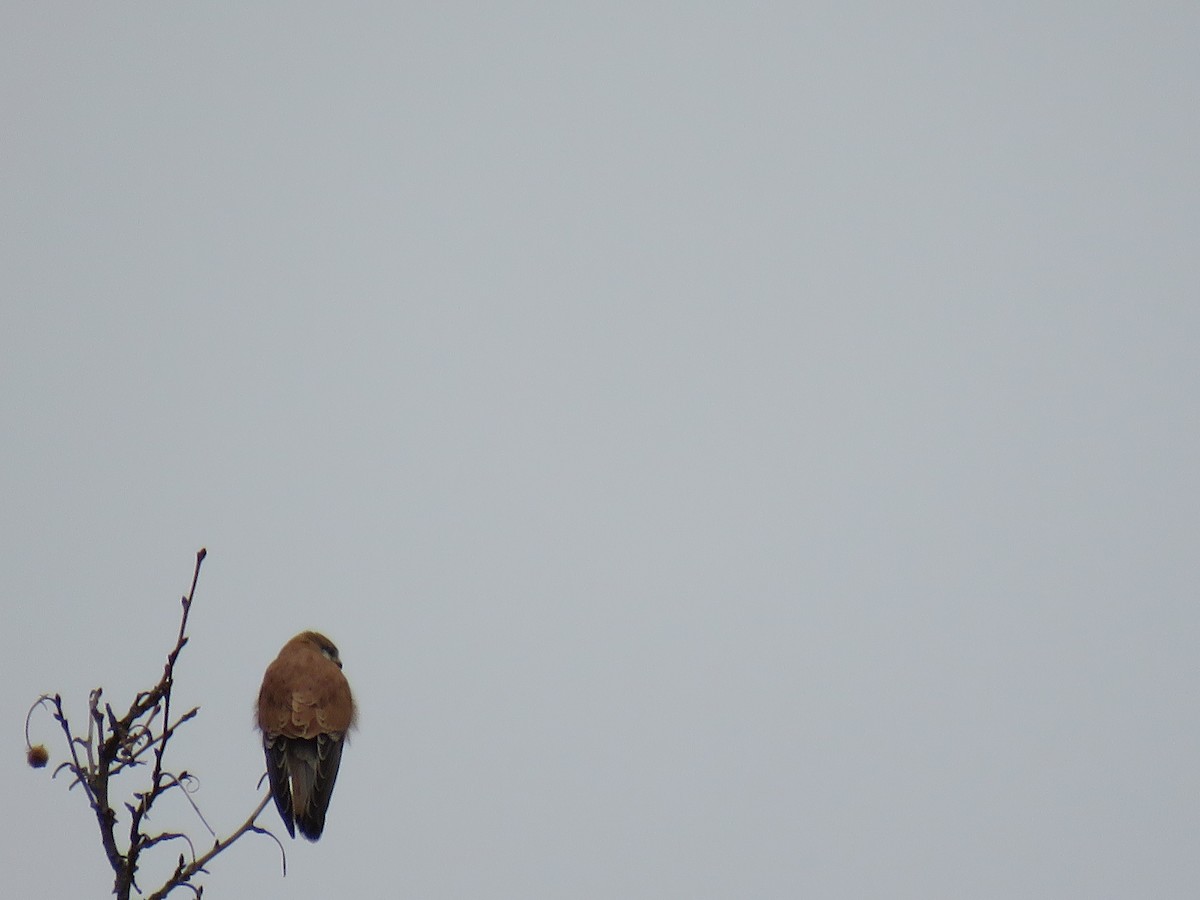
(304, 712)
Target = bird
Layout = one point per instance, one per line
(305, 709)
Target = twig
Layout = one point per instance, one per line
(184, 873)
(114, 744)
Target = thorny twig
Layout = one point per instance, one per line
(112, 745)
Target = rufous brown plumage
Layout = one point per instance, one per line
(304, 711)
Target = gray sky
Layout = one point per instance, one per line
(744, 452)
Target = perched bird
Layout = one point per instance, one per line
(304, 712)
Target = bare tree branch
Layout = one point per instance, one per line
(113, 745)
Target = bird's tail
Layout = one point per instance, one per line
(314, 766)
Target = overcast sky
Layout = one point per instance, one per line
(747, 451)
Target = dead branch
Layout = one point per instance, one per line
(113, 745)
